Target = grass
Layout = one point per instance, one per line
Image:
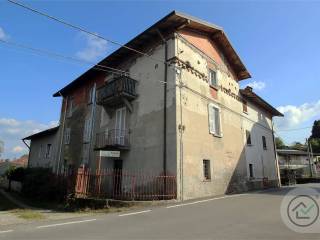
(28, 214)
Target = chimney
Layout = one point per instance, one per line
(248, 88)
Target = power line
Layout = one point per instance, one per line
(55, 55)
(293, 129)
(82, 29)
(58, 55)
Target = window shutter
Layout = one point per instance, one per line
(218, 76)
(211, 119)
(217, 121)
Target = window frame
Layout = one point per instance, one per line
(245, 106)
(70, 107)
(48, 150)
(248, 137)
(206, 170)
(211, 131)
(251, 171)
(264, 143)
(211, 70)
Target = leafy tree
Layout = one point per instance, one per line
(280, 144)
(315, 133)
(315, 144)
(298, 146)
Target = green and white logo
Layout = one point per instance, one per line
(300, 210)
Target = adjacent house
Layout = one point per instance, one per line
(297, 161)
(44, 149)
(173, 107)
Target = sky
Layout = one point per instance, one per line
(278, 42)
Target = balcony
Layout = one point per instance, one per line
(119, 90)
(114, 139)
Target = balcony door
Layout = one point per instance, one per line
(120, 128)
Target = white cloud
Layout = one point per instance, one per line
(13, 130)
(95, 47)
(296, 115)
(18, 149)
(257, 85)
(3, 35)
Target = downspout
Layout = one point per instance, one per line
(164, 105)
(62, 132)
(276, 156)
(23, 140)
(93, 113)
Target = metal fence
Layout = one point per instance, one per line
(124, 185)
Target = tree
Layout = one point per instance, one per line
(280, 144)
(315, 133)
(315, 144)
(298, 146)
(314, 139)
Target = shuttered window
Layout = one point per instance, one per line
(213, 80)
(87, 130)
(248, 136)
(214, 113)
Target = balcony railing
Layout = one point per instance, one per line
(112, 92)
(112, 139)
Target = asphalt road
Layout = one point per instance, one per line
(253, 215)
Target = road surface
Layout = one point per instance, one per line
(254, 215)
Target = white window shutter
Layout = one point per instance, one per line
(211, 119)
(220, 123)
(218, 76)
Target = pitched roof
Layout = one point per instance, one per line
(166, 26)
(248, 94)
(43, 133)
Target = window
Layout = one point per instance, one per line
(70, 107)
(40, 151)
(87, 130)
(248, 136)
(245, 106)
(214, 120)
(67, 136)
(91, 95)
(213, 81)
(206, 169)
(48, 150)
(251, 175)
(264, 143)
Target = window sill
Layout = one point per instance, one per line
(245, 112)
(249, 145)
(206, 180)
(214, 87)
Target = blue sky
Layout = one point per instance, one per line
(278, 42)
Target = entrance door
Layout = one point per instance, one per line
(120, 127)
(117, 178)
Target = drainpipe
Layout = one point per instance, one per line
(24, 141)
(276, 156)
(93, 113)
(164, 105)
(62, 132)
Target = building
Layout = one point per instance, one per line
(177, 109)
(44, 148)
(7, 164)
(297, 161)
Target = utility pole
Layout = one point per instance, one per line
(309, 157)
